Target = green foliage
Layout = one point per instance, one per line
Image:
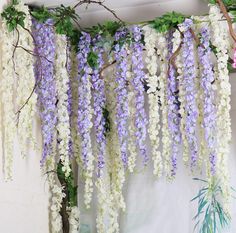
(211, 216)
(92, 60)
(13, 17)
(63, 18)
(108, 29)
(167, 21)
(42, 14)
(70, 187)
(106, 116)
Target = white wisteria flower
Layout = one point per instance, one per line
(62, 85)
(220, 39)
(7, 90)
(57, 195)
(115, 199)
(166, 141)
(24, 65)
(154, 84)
(74, 219)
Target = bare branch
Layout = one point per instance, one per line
(101, 4)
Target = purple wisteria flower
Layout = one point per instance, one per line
(137, 81)
(173, 108)
(46, 88)
(209, 109)
(99, 101)
(122, 93)
(189, 77)
(84, 102)
(69, 93)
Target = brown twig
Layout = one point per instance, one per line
(174, 55)
(36, 82)
(229, 21)
(106, 66)
(31, 52)
(101, 4)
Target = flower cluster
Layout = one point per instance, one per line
(74, 219)
(25, 77)
(153, 82)
(162, 52)
(137, 81)
(220, 39)
(46, 85)
(115, 199)
(99, 106)
(122, 93)
(62, 87)
(189, 78)
(131, 126)
(70, 96)
(209, 110)
(7, 92)
(173, 108)
(85, 113)
(57, 194)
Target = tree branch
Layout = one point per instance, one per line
(101, 4)
(229, 21)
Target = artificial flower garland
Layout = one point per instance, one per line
(220, 40)
(7, 90)
(209, 109)
(25, 85)
(173, 110)
(46, 84)
(190, 91)
(153, 82)
(122, 93)
(62, 87)
(85, 115)
(65, 89)
(137, 81)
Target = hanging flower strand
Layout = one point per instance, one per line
(85, 114)
(153, 82)
(190, 91)
(7, 90)
(99, 106)
(24, 63)
(220, 39)
(137, 81)
(62, 85)
(162, 52)
(209, 110)
(46, 88)
(173, 107)
(122, 93)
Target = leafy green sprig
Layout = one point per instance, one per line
(167, 21)
(62, 16)
(13, 17)
(211, 216)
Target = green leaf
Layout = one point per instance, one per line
(92, 59)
